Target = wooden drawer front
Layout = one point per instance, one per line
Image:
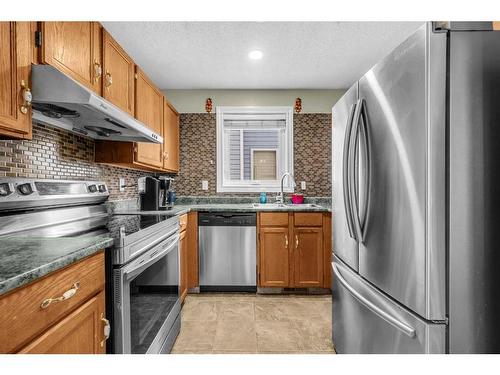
(308, 219)
(81, 332)
(23, 319)
(274, 219)
(183, 222)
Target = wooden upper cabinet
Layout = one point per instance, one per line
(118, 75)
(16, 55)
(148, 110)
(308, 257)
(274, 266)
(171, 139)
(81, 332)
(75, 48)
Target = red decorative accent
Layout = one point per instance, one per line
(298, 105)
(208, 105)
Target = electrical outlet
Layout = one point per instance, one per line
(303, 185)
(121, 183)
(204, 185)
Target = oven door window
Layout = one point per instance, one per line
(153, 294)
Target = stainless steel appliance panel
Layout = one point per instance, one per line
(60, 101)
(366, 321)
(474, 192)
(227, 244)
(393, 247)
(146, 299)
(228, 256)
(345, 245)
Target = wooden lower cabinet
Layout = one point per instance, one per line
(294, 250)
(78, 333)
(192, 251)
(33, 323)
(274, 255)
(308, 257)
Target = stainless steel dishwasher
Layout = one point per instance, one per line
(228, 251)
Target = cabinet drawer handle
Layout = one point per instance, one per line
(97, 71)
(66, 295)
(286, 240)
(27, 97)
(109, 80)
(296, 242)
(107, 329)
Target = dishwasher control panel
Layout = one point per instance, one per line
(227, 219)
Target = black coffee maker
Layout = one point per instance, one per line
(154, 193)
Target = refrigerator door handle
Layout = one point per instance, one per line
(393, 320)
(345, 174)
(360, 117)
(353, 181)
(366, 154)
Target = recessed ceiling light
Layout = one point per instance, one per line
(255, 55)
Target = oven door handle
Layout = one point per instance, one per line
(139, 265)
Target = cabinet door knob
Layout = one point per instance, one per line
(108, 80)
(97, 71)
(286, 240)
(27, 97)
(296, 242)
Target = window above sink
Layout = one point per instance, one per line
(254, 148)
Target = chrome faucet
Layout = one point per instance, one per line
(280, 196)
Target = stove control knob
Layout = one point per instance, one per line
(92, 188)
(25, 189)
(5, 190)
(102, 188)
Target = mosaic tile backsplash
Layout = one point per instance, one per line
(312, 154)
(58, 154)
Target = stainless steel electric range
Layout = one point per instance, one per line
(142, 269)
(143, 283)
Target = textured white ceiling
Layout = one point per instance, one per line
(297, 55)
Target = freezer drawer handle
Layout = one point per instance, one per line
(410, 331)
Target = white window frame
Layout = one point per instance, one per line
(286, 154)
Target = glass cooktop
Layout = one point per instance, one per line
(132, 223)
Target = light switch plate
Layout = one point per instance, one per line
(303, 185)
(204, 185)
(121, 183)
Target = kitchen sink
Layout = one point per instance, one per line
(304, 205)
(273, 206)
(269, 206)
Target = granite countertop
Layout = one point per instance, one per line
(25, 259)
(223, 207)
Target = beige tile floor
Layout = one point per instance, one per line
(250, 323)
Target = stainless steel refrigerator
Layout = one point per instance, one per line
(416, 198)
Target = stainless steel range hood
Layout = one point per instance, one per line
(60, 101)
